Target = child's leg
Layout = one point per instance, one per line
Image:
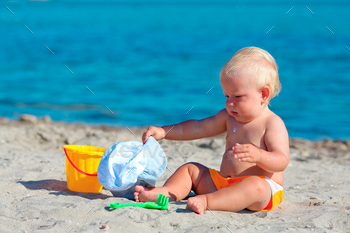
(191, 176)
(253, 193)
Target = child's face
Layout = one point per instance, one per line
(243, 99)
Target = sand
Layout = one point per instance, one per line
(34, 196)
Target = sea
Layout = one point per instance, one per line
(140, 63)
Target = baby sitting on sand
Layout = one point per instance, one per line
(257, 145)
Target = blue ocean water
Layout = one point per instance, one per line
(138, 63)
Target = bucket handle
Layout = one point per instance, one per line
(88, 174)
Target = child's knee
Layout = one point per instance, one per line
(258, 185)
(193, 169)
(260, 192)
(194, 166)
(197, 171)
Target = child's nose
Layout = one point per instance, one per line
(230, 103)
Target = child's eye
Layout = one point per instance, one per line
(226, 96)
(238, 96)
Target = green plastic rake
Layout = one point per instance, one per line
(161, 204)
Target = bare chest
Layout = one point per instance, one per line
(249, 133)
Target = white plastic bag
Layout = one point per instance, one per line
(126, 164)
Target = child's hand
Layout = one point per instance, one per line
(156, 132)
(246, 153)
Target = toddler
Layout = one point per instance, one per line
(257, 144)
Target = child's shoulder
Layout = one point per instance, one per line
(222, 114)
(273, 121)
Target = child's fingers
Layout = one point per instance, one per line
(146, 135)
(240, 148)
(248, 159)
(240, 155)
(152, 131)
(244, 157)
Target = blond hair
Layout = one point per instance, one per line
(261, 65)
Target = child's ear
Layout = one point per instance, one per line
(265, 94)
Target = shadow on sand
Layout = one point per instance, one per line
(59, 187)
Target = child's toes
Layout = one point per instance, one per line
(196, 205)
(136, 196)
(139, 188)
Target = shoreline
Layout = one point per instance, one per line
(32, 119)
(34, 194)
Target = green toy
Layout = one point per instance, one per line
(161, 204)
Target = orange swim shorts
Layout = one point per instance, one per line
(276, 189)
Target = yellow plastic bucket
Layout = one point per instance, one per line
(81, 168)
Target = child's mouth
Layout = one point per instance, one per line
(234, 113)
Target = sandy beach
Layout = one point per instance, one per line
(34, 196)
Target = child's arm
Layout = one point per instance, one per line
(191, 129)
(276, 157)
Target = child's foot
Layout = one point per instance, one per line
(143, 194)
(197, 204)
